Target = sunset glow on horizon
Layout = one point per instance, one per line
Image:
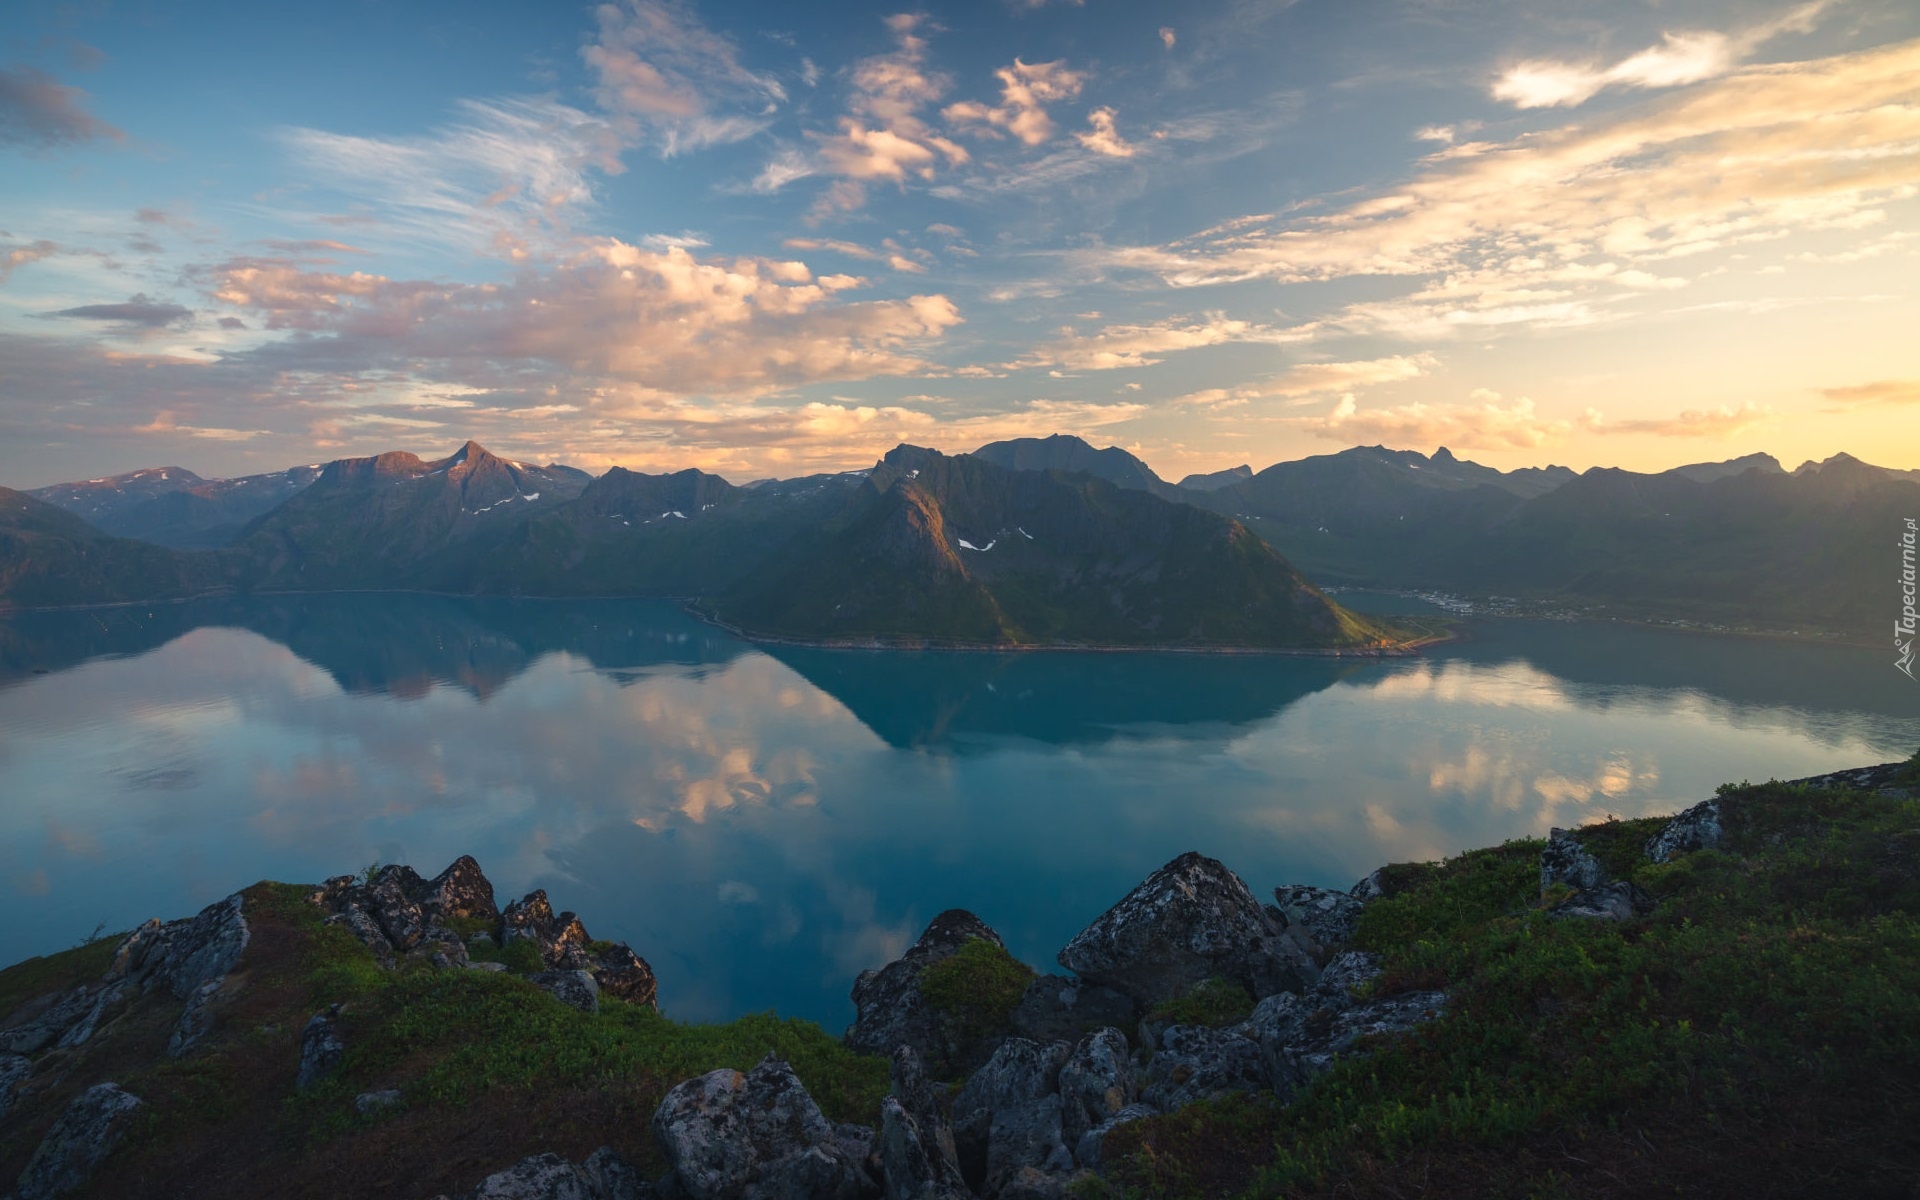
(770, 240)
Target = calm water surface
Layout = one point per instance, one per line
(762, 825)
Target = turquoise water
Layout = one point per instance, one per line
(763, 824)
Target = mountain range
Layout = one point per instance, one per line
(1025, 541)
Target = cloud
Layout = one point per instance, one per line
(1680, 58)
(503, 174)
(1722, 422)
(1025, 91)
(883, 136)
(1119, 346)
(1882, 393)
(1488, 425)
(1576, 225)
(140, 310)
(15, 256)
(40, 112)
(665, 78)
(1316, 379)
(1167, 37)
(672, 323)
(1104, 138)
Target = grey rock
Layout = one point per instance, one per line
(1346, 971)
(1372, 887)
(915, 1144)
(1195, 1062)
(753, 1136)
(604, 1176)
(1566, 861)
(1056, 1008)
(86, 1133)
(476, 965)
(1032, 1183)
(624, 975)
(321, 1049)
(190, 958)
(1617, 901)
(196, 1021)
(1698, 828)
(1096, 1083)
(443, 946)
(911, 1166)
(1187, 922)
(1089, 1150)
(14, 1070)
(368, 1103)
(1324, 916)
(389, 899)
(1300, 1037)
(360, 923)
(50, 1025)
(104, 1000)
(889, 1010)
(462, 891)
(1008, 1116)
(575, 989)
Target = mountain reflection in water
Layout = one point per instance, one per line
(762, 824)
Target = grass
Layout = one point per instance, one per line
(37, 977)
(1757, 1034)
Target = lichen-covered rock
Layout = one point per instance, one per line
(1346, 971)
(368, 1103)
(575, 989)
(1096, 1083)
(389, 899)
(321, 1049)
(1195, 1062)
(754, 1136)
(190, 958)
(14, 1070)
(360, 923)
(604, 1176)
(43, 1030)
(1565, 861)
(1698, 828)
(1616, 901)
(1300, 1037)
(1058, 1009)
(1189, 921)
(1089, 1149)
(1008, 1115)
(917, 1152)
(889, 1009)
(624, 975)
(86, 1133)
(462, 891)
(1324, 916)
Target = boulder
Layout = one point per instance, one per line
(1058, 1009)
(50, 1025)
(889, 1010)
(357, 921)
(368, 1103)
(1321, 918)
(1089, 1149)
(321, 1049)
(1565, 862)
(1189, 921)
(14, 1070)
(604, 1176)
(1698, 828)
(1195, 1062)
(190, 958)
(1345, 972)
(754, 1136)
(917, 1152)
(1008, 1116)
(575, 989)
(1096, 1083)
(86, 1133)
(624, 975)
(389, 899)
(1299, 1037)
(461, 892)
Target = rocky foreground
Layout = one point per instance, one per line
(1002, 1085)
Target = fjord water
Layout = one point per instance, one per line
(763, 823)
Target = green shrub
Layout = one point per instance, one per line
(1217, 1002)
(977, 986)
(522, 957)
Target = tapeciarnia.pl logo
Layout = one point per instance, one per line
(1903, 629)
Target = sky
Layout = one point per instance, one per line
(772, 239)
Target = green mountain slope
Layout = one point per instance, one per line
(1064, 452)
(957, 549)
(50, 557)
